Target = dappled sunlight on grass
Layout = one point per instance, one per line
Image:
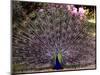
(92, 20)
(92, 34)
(91, 27)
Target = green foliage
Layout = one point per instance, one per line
(18, 67)
(72, 66)
(91, 28)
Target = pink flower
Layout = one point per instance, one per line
(74, 11)
(81, 11)
(69, 7)
(57, 5)
(61, 6)
(41, 10)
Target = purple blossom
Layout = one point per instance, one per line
(74, 11)
(81, 11)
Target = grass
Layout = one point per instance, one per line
(91, 27)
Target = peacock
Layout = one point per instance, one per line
(48, 38)
(58, 60)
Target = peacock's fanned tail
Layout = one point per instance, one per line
(35, 37)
